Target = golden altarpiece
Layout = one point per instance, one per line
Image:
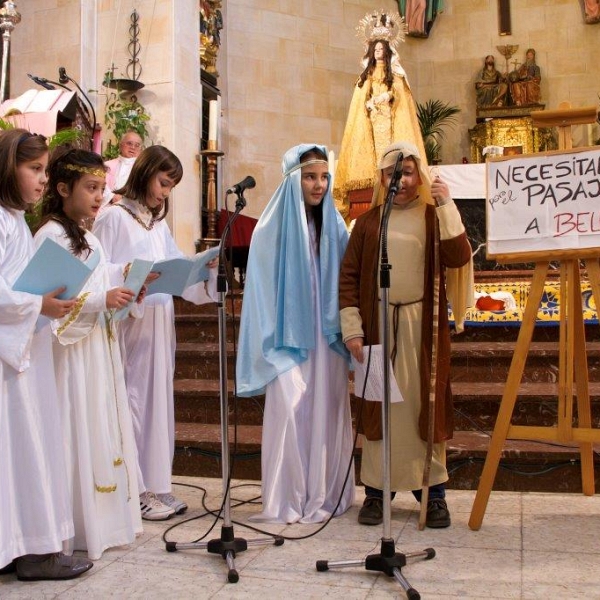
(512, 129)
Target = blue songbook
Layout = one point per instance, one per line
(134, 281)
(177, 274)
(52, 267)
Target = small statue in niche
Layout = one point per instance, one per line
(491, 87)
(525, 81)
(419, 15)
(211, 23)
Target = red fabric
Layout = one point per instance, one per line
(241, 232)
(488, 303)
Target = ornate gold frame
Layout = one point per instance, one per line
(518, 136)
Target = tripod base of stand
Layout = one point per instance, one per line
(227, 546)
(388, 561)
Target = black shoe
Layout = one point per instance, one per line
(11, 567)
(38, 567)
(371, 512)
(438, 515)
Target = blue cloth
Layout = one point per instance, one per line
(277, 328)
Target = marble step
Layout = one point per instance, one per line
(233, 302)
(525, 465)
(501, 333)
(490, 361)
(198, 401)
(201, 360)
(476, 403)
(204, 328)
(198, 352)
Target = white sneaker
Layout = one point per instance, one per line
(179, 506)
(153, 509)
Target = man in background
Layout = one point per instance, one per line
(119, 168)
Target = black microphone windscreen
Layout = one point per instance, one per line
(62, 75)
(248, 183)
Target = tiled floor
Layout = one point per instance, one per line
(544, 546)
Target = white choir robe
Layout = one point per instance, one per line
(98, 432)
(35, 509)
(116, 177)
(307, 434)
(148, 342)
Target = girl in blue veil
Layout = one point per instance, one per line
(290, 345)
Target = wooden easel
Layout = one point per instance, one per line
(572, 364)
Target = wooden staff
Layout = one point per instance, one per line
(432, 378)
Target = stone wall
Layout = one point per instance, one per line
(287, 69)
(88, 36)
(290, 68)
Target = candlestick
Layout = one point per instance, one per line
(212, 155)
(213, 119)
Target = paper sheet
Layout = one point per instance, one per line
(52, 267)
(374, 388)
(177, 274)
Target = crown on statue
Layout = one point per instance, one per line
(382, 25)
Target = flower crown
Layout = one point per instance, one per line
(382, 25)
(97, 171)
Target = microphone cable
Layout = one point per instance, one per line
(218, 512)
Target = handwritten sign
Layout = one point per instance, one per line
(543, 202)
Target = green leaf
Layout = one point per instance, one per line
(433, 117)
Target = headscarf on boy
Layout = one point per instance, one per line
(459, 281)
(388, 159)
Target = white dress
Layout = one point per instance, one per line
(307, 433)
(118, 172)
(148, 343)
(35, 510)
(98, 433)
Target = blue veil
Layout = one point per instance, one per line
(277, 328)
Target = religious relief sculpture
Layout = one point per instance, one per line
(592, 11)
(525, 82)
(419, 15)
(491, 87)
(211, 23)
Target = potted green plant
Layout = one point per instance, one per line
(433, 116)
(123, 113)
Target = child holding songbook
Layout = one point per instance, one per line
(135, 228)
(98, 432)
(35, 514)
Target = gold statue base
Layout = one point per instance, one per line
(515, 135)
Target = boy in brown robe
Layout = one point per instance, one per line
(410, 247)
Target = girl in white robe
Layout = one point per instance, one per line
(98, 432)
(35, 508)
(290, 345)
(135, 228)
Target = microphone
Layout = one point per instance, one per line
(62, 75)
(239, 188)
(64, 78)
(394, 183)
(397, 174)
(41, 81)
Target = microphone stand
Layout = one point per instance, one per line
(387, 561)
(64, 78)
(47, 83)
(227, 545)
